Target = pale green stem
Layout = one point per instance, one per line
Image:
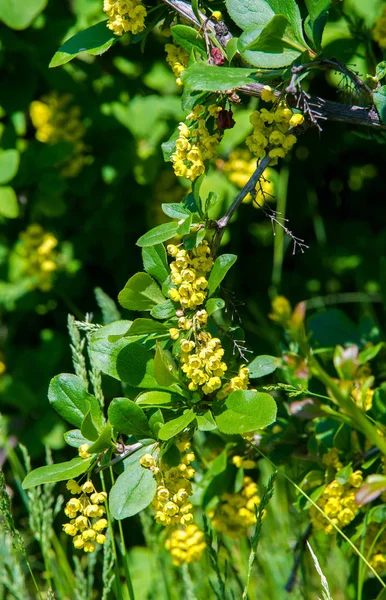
(278, 249)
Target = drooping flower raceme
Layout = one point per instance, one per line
(55, 120)
(272, 129)
(195, 143)
(125, 15)
(86, 514)
(36, 248)
(236, 512)
(172, 507)
(177, 58)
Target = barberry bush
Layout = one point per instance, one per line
(220, 432)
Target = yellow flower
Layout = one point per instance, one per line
(296, 119)
(73, 487)
(125, 15)
(147, 461)
(83, 451)
(267, 94)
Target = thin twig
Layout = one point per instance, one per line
(325, 109)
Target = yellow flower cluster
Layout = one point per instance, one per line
(40, 261)
(338, 503)
(239, 382)
(378, 550)
(243, 463)
(195, 144)
(87, 522)
(379, 31)
(177, 58)
(55, 121)
(125, 15)
(203, 367)
(174, 488)
(271, 129)
(239, 168)
(236, 512)
(186, 545)
(363, 396)
(331, 459)
(188, 272)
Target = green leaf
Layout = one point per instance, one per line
(125, 360)
(232, 48)
(158, 234)
(200, 77)
(165, 310)
(9, 164)
(95, 40)
(141, 292)
(134, 489)
(246, 411)
(250, 13)
(74, 438)
(214, 304)
(103, 442)
(331, 328)
(156, 399)
(9, 206)
(146, 327)
(262, 365)
(188, 38)
(318, 11)
(19, 14)
(379, 97)
(172, 428)
(68, 395)
(88, 429)
(155, 262)
(176, 210)
(184, 227)
(206, 422)
(369, 353)
(220, 268)
(127, 417)
(165, 369)
(274, 47)
(58, 472)
(380, 70)
(169, 147)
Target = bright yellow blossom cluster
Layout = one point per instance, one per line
(243, 463)
(331, 459)
(174, 488)
(338, 503)
(239, 168)
(172, 507)
(236, 512)
(186, 545)
(271, 129)
(125, 15)
(196, 144)
(86, 513)
(177, 58)
(377, 557)
(188, 273)
(239, 382)
(40, 260)
(379, 31)
(202, 362)
(56, 121)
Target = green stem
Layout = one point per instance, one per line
(33, 578)
(117, 581)
(278, 249)
(123, 552)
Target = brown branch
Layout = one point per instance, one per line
(323, 109)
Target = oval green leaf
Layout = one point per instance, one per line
(141, 292)
(58, 472)
(246, 411)
(127, 417)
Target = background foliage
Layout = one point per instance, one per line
(330, 188)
